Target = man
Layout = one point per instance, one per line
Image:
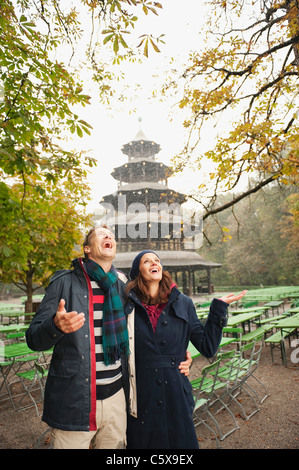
(82, 316)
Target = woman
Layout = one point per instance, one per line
(165, 320)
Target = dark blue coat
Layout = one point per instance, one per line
(164, 395)
(70, 399)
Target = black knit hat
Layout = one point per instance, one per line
(135, 265)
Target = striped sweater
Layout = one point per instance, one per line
(108, 378)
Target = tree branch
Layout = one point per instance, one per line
(237, 199)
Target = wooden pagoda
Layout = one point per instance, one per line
(146, 214)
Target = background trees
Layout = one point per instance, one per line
(44, 45)
(240, 91)
(40, 235)
(243, 81)
(255, 243)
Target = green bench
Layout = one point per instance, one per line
(267, 320)
(253, 303)
(252, 335)
(277, 340)
(203, 304)
(236, 331)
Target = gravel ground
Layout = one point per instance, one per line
(274, 426)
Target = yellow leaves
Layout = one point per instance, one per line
(243, 84)
(225, 234)
(187, 123)
(184, 102)
(292, 18)
(150, 6)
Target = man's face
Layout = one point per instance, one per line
(102, 245)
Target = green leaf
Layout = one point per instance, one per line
(85, 123)
(79, 131)
(116, 45)
(6, 251)
(154, 46)
(145, 50)
(108, 38)
(123, 42)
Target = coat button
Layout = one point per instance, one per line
(164, 323)
(163, 342)
(158, 382)
(160, 403)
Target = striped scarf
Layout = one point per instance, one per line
(114, 331)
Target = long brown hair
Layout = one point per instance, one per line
(139, 286)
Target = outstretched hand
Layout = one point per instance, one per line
(229, 298)
(68, 322)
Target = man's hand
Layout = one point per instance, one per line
(185, 365)
(68, 322)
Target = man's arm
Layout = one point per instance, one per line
(44, 332)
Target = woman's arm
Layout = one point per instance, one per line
(208, 337)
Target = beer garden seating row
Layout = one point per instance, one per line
(220, 383)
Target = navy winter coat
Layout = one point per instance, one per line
(70, 394)
(164, 395)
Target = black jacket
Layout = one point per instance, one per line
(164, 418)
(70, 393)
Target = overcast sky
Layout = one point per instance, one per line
(181, 23)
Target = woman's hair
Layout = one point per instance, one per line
(139, 286)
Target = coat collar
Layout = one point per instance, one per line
(175, 300)
(172, 297)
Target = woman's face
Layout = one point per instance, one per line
(150, 267)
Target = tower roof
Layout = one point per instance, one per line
(141, 170)
(141, 146)
(140, 136)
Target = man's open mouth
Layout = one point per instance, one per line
(107, 245)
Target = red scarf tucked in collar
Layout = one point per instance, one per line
(154, 311)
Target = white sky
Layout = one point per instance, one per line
(181, 22)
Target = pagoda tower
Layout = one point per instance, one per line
(146, 214)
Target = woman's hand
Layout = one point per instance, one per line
(229, 298)
(185, 365)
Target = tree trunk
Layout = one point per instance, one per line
(29, 292)
(293, 19)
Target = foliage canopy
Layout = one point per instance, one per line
(43, 186)
(244, 83)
